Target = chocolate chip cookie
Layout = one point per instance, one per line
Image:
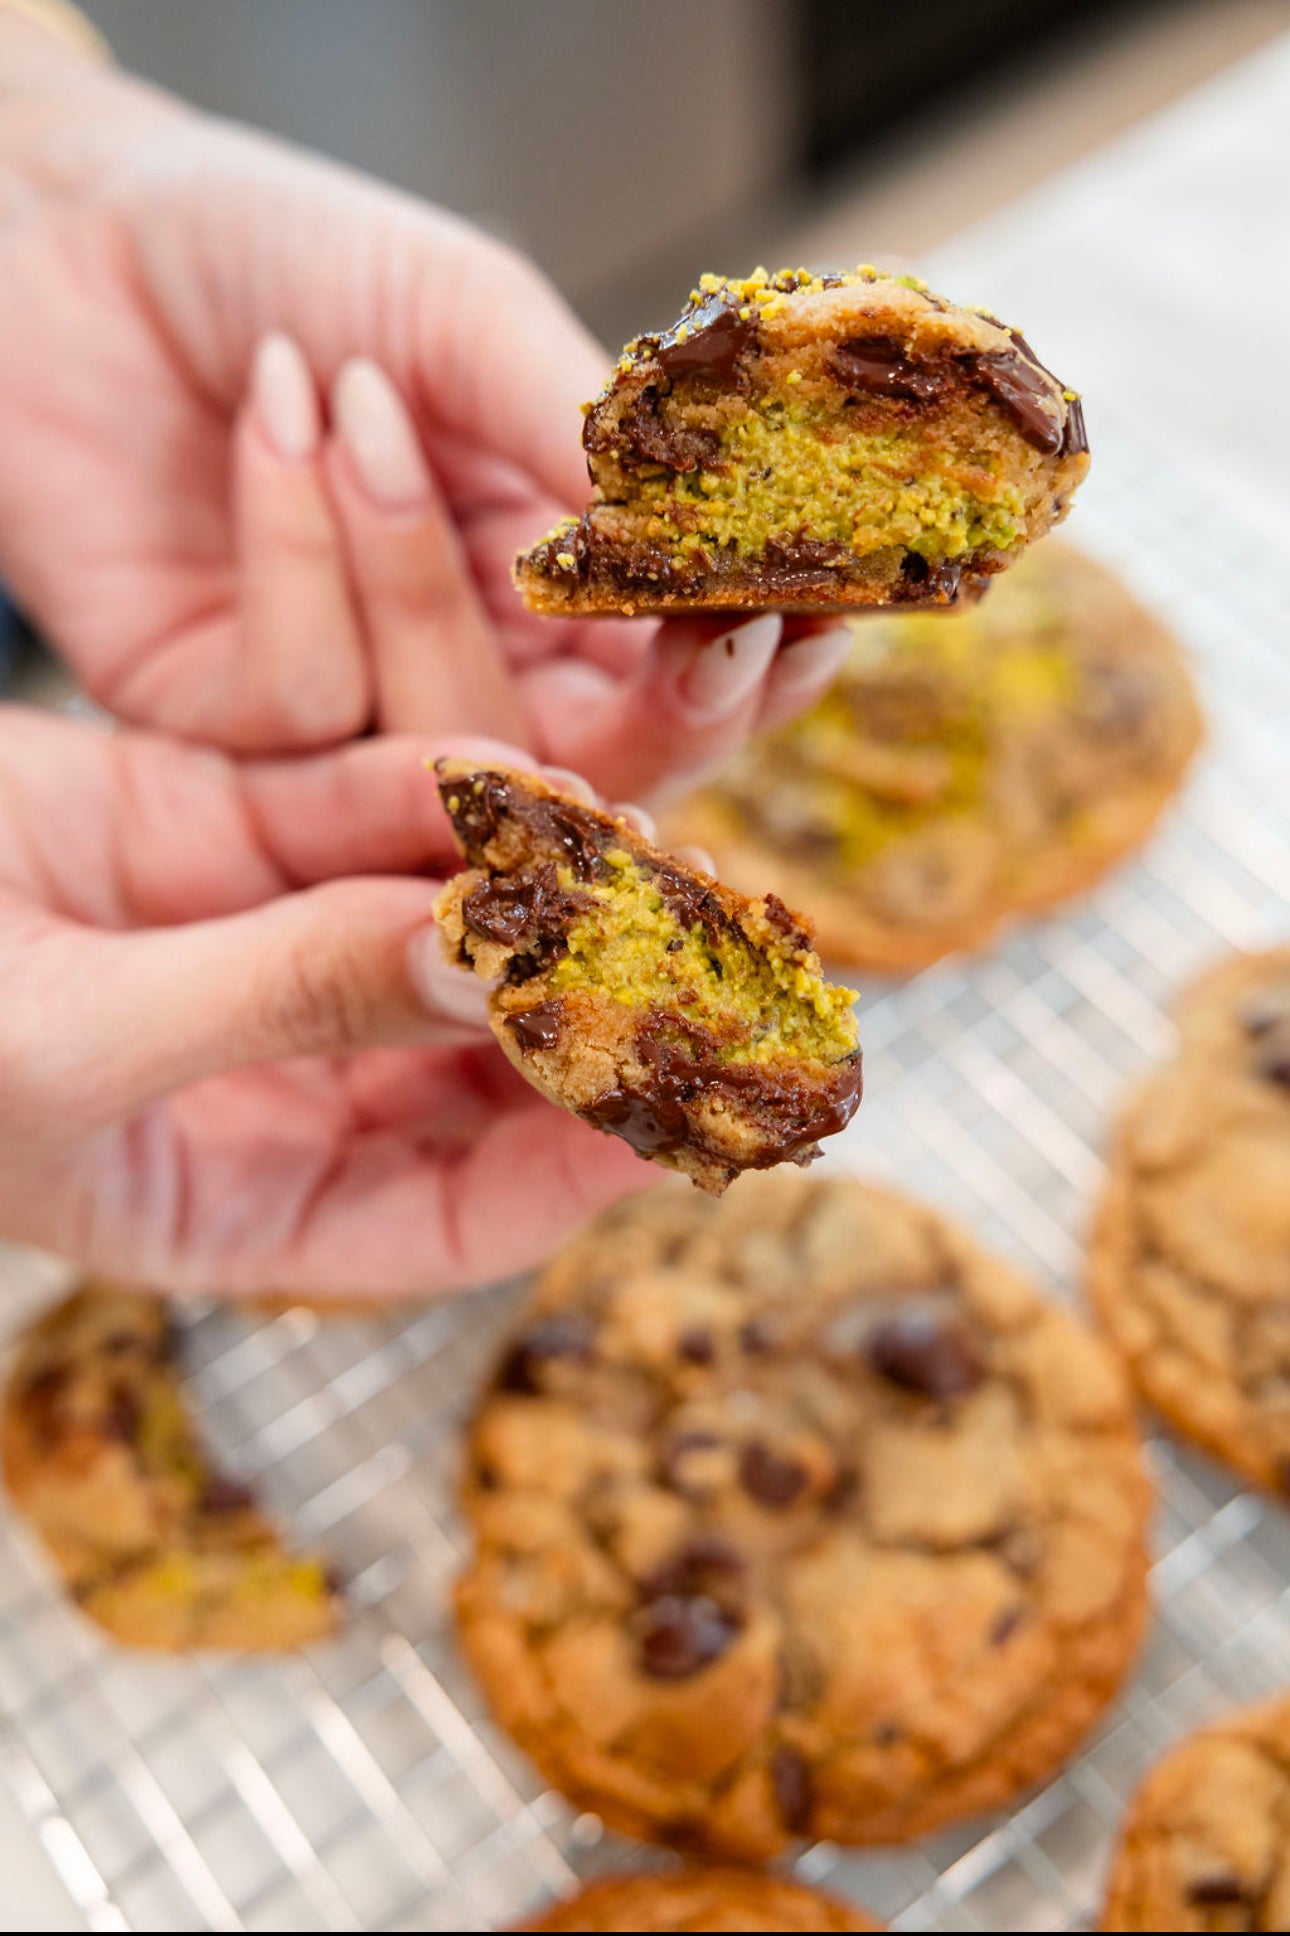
(1190, 1260)
(101, 1457)
(650, 1000)
(800, 441)
(797, 1514)
(730, 1899)
(963, 768)
(1206, 1844)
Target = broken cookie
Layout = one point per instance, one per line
(647, 998)
(798, 441)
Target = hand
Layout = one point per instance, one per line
(272, 434)
(223, 1067)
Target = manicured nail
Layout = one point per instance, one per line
(450, 994)
(812, 662)
(567, 781)
(372, 422)
(284, 399)
(637, 819)
(722, 675)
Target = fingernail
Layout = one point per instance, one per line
(372, 422)
(452, 995)
(723, 674)
(814, 661)
(284, 398)
(567, 781)
(637, 819)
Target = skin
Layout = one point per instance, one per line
(229, 1056)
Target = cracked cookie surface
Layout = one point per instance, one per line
(652, 1001)
(962, 768)
(1189, 1267)
(798, 441)
(1206, 1842)
(797, 1514)
(101, 1457)
(708, 1899)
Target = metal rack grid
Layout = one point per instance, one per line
(362, 1786)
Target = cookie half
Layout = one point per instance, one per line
(1206, 1842)
(798, 441)
(101, 1457)
(963, 768)
(797, 1514)
(1189, 1267)
(710, 1898)
(647, 998)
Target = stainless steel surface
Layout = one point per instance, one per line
(362, 1787)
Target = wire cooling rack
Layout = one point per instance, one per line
(362, 1786)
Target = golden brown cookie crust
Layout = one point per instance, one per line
(101, 1458)
(1206, 1841)
(987, 873)
(1189, 1264)
(798, 1514)
(701, 1899)
(695, 1024)
(798, 442)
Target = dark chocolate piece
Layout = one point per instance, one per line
(926, 1354)
(538, 1028)
(876, 366)
(652, 1125)
(706, 1565)
(785, 922)
(1018, 387)
(507, 911)
(790, 1778)
(1075, 435)
(1213, 1891)
(220, 1495)
(769, 1479)
(716, 339)
(648, 434)
(1005, 1625)
(678, 1635)
(562, 1335)
(1273, 1061)
(696, 1345)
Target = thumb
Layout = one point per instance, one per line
(125, 1018)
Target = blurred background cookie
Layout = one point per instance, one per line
(730, 1899)
(964, 767)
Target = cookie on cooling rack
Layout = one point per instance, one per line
(102, 1459)
(1206, 1842)
(707, 1898)
(798, 441)
(1190, 1260)
(963, 768)
(798, 1514)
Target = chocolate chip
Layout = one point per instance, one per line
(678, 1636)
(706, 1565)
(1273, 1062)
(1261, 1013)
(755, 1335)
(475, 805)
(651, 1125)
(676, 1452)
(1005, 1625)
(696, 1345)
(46, 1384)
(559, 1336)
(538, 1028)
(786, 922)
(649, 434)
(1075, 436)
(923, 583)
(877, 366)
(1216, 1889)
(925, 1354)
(509, 911)
(790, 1777)
(1017, 384)
(771, 1480)
(716, 338)
(221, 1495)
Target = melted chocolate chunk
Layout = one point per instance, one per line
(929, 1355)
(769, 1479)
(562, 1335)
(696, 1345)
(1005, 1625)
(679, 1635)
(876, 366)
(648, 434)
(478, 810)
(930, 584)
(790, 1779)
(1215, 1890)
(1273, 1062)
(706, 1565)
(1018, 384)
(654, 1125)
(1074, 436)
(693, 901)
(716, 339)
(538, 1028)
(796, 564)
(578, 832)
(220, 1495)
(786, 923)
(509, 911)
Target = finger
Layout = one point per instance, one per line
(695, 699)
(350, 965)
(300, 677)
(803, 672)
(436, 662)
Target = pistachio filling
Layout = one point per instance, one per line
(760, 1002)
(778, 472)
